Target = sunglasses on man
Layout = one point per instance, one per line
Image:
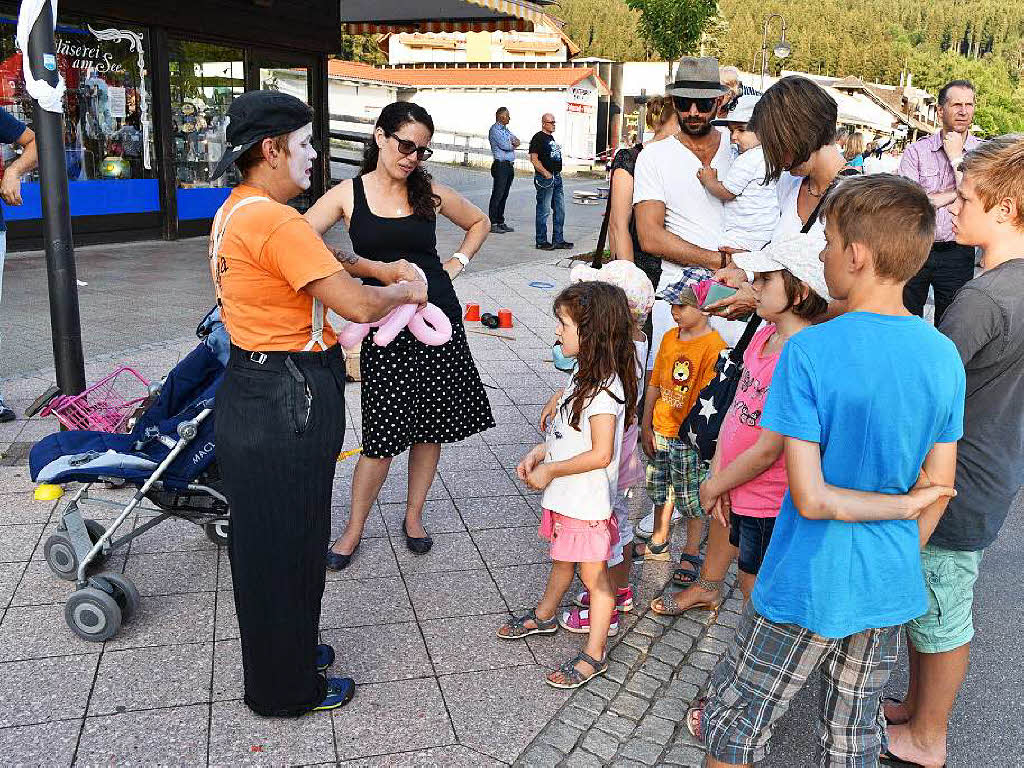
(683, 104)
(407, 147)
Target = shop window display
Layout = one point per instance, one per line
(204, 79)
(108, 126)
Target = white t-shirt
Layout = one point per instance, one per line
(788, 190)
(667, 171)
(587, 495)
(750, 219)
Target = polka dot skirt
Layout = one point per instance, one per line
(413, 393)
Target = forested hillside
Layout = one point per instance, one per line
(935, 40)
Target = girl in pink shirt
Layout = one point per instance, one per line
(744, 490)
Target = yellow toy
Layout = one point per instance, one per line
(47, 492)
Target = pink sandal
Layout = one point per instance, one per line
(578, 620)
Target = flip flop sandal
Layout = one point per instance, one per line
(695, 719)
(517, 628)
(655, 552)
(573, 677)
(669, 606)
(688, 574)
(888, 758)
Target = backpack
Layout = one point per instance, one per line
(702, 424)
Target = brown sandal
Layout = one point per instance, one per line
(671, 607)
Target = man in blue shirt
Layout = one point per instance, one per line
(13, 131)
(503, 170)
(871, 405)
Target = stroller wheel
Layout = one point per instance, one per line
(123, 590)
(60, 556)
(92, 614)
(217, 532)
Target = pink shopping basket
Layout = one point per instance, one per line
(106, 406)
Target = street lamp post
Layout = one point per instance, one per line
(36, 37)
(782, 49)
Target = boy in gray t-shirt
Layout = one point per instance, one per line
(986, 322)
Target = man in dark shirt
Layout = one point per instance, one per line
(986, 322)
(13, 131)
(546, 156)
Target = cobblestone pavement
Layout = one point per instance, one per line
(635, 715)
(436, 687)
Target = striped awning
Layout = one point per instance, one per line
(383, 28)
(521, 10)
(496, 15)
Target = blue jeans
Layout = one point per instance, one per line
(549, 195)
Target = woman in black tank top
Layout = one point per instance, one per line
(413, 397)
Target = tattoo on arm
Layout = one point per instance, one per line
(344, 256)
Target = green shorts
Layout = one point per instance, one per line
(949, 576)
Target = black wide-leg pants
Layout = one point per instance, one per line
(280, 424)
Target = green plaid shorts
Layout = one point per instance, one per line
(676, 472)
(768, 663)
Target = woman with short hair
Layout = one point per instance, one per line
(795, 120)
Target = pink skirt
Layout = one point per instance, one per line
(578, 541)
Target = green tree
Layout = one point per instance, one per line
(604, 28)
(362, 48)
(674, 28)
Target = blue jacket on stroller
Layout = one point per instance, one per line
(87, 457)
(169, 457)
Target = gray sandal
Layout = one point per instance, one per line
(517, 628)
(573, 677)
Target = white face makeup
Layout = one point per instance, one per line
(301, 156)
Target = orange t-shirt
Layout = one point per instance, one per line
(268, 254)
(682, 369)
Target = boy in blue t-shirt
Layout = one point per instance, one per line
(871, 405)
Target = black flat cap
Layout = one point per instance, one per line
(257, 115)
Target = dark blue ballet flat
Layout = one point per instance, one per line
(339, 562)
(418, 545)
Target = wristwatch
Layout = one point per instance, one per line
(462, 258)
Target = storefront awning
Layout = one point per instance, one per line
(367, 17)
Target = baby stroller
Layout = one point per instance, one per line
(168, 457)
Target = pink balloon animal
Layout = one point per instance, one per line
(429, 324)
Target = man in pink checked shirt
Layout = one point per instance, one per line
(934, 164)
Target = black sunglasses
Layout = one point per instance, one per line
(683, 103)
(407, 147)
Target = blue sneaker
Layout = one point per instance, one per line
(324, 657)
(340, 691)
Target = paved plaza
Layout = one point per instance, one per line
(436, 687)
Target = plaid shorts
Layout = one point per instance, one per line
(676, 472)
(769, 663)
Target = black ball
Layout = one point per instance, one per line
(489, 320)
